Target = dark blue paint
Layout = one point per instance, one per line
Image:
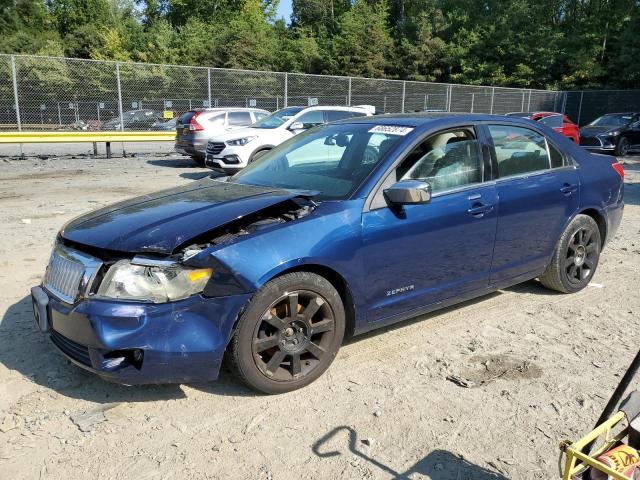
(442, 250)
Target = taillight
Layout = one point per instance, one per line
(194, 126)
(617, 166)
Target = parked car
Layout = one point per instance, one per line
(134, 120)
(320, 236)
(559, 122)
(616, 133)
(167, 125)
(233, 151)
(196, 127)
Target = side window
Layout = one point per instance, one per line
(518, 150)
(217, 119)
(239, 118)
(557, 159)
(311, 119)
(551, 121)
(446, 160)
(334, 115)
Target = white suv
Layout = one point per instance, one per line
(196, 127)
(233, 150)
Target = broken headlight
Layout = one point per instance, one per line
(152, 283)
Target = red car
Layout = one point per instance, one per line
(559, 122)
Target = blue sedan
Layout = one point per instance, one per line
(343, 229)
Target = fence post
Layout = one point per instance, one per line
(119, 97)
(493, 94)
(15, 91)
(349, 94)
(449, 95)
(580, 107)
(286, 90)
(564, 102)
(404, 86)
(473, 100)
(209, 87)
(529, 103)
(522, 105)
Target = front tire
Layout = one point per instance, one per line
(575, 258)
(623, 147)
(289, 334)
(257, 155)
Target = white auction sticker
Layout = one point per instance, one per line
(391, 129)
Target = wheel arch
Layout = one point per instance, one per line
(600, 220)
(337, 280)
(261, 148)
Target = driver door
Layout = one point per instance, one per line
(418, 255)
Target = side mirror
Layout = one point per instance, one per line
(408, 192)
(296, 126)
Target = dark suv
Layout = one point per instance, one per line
(616, 133)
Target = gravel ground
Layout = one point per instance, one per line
(543, 364)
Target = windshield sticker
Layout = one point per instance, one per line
(391, 130)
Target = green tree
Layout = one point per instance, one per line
(363, 44)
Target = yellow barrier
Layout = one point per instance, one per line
(91, 137)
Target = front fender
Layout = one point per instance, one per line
(330, 237)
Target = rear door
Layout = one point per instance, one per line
(538, 191)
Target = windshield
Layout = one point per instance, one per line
(332, 160)
(277, 118)
(611, 121)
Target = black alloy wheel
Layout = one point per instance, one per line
(575, 257)
(582, 256)
(289, 334)
(293, 335)
(624, 145)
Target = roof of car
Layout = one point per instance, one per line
(541, 113)
(329, 107)
(423, 118)
(228, 109)
(620, 113)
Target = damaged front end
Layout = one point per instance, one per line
(146, 317)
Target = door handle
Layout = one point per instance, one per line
(568, 189)
(479, 209)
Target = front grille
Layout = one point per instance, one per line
(64, 276)
(78, 352)
(590, 142)
(214, 148)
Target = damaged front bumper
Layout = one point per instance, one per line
(138, 343)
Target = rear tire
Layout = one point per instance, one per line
(575, 258)
(289, 334)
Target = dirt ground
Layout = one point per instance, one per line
(543, 366)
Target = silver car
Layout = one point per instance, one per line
(195, 127)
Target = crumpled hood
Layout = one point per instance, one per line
(162, 221)
(592, 131)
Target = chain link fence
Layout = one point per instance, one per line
(52, 93)
(585, 106)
